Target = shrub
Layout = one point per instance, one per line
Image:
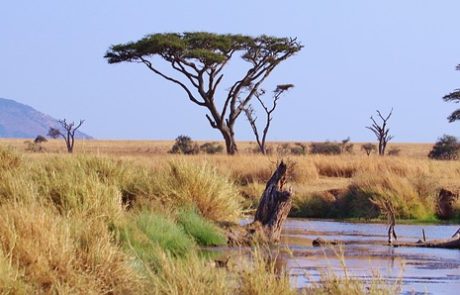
(184, 145)
(326, 148)
(33, 146)
(40, 139)
(299, 149)
(368, 148)
(446, 148)
(394, 151)
(346, 146)
(211, 148)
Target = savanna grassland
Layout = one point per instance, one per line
(126, 217)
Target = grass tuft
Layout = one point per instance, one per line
(203, 232)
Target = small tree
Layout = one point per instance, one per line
(211, 148)
(381, 131)
(68, 134)
(369, 148)
(326, 148)
(446, 148)
(184, 145)
(249, 111)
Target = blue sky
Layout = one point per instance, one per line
(359, 56)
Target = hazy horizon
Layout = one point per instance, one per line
(359, 56)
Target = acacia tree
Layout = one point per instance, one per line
(455, 97)
(250, 114)
(381, 131)
(198, 60)
(69, 133)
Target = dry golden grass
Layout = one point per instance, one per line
(411, 176)
(150, 147)
(60, 213)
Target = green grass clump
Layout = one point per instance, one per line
(146, 230)
(203, 232)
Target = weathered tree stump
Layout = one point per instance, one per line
(273, 210)
(275, 204)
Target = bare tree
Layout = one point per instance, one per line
(250, 114)
(69, 132)
(381, 131)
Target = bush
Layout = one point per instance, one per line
(326, 148)
(346, 146)
(34, 147)
(446, 148)
(299, 149)
(185, 145)
(368, 148)
(394, 151)
(211, 148)
(40, 139)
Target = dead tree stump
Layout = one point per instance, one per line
(274, 205)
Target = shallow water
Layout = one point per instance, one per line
(421, 270)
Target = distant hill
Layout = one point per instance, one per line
(18, 120)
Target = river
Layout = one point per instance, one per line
(420, 270)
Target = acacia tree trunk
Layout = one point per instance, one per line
(230, 143)
(275, 204)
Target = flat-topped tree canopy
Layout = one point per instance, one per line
(201, 57)
(207, 48)
(455, 97)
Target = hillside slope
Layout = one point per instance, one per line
(18, 120)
